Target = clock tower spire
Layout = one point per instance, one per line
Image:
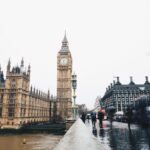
(64, 47)
(64, 74)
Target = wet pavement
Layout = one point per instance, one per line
(119, 137)
(79, 137)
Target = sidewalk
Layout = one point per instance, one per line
(79, 137)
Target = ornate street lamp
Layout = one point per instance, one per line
(74, 87)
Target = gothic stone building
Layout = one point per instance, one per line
(20, 104)
(121, 95)
(64, 74)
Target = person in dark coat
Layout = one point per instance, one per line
(83, 117)
(88, 118)
(129, 116)
(100, 118)
(93, 117)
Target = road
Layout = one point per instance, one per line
(119, 137)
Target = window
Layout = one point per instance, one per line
(11, 105)
(12, 98)
(13, 83)
(0, 111)
(10, 112)
(1, 99)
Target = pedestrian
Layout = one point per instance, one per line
(100, 118)
(129, 116)
(83, 117)
(93, 117)
(88, 117)
(111, 112)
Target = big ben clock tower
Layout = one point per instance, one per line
(64, 74)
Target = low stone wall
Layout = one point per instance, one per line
(79, 137)
(55, 128)
(69, 123)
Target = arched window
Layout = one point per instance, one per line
(13, 83)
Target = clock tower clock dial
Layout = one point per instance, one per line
(64, 88)
(63, 61)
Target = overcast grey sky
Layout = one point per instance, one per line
(106, 38)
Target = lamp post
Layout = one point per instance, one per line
(74, 87)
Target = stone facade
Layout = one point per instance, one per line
(20, 103)
(121, 95)
(64, 86)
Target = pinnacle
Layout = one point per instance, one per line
(64, 46)
(65, 39)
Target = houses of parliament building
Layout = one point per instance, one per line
(21, 104)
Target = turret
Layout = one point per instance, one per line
(8, 66)
(37, 92)
(48, 94)
(114, 82)
(22, 70)
(106, 89)
(111, 85)
(1, 76)
(118, 81)
(22, 63)
(29, 70)
(34, 91)
(146, 80)
(131, 81)
(31, 90)
(39, 95)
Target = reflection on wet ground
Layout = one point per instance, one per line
(33, 142)
(119, 137)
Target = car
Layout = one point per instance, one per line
(119, 116)
(88, 116)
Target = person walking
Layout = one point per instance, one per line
(111, 112)
(129, 116)
(88, 118)
(83, 117)
(100, 118)
(93, 117)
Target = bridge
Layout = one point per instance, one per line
(78, 137)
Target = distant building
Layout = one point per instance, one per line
(20, 103)
(121, 95)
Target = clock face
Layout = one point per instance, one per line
(63, 61)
